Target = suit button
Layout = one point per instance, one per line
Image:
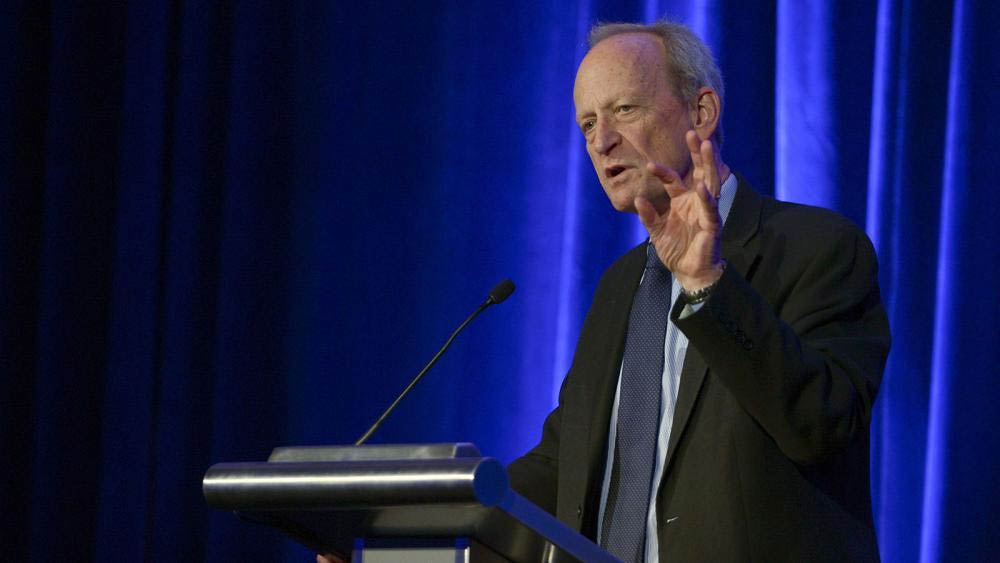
(579, 512)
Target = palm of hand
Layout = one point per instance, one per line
(686, 230)
(685, 238)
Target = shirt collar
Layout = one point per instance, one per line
(727, 193)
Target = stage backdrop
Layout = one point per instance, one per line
(228, 226)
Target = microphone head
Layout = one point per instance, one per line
(501, 291)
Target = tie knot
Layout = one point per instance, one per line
(653, 259)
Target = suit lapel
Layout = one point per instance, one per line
(742, 223)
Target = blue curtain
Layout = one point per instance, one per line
(228, 226)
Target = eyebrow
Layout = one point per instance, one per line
(631, 99)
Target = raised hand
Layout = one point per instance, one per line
(686, 233)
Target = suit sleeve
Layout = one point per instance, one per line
(806, 361)
(535, 474)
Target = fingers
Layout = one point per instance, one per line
(705, 167)
(707, 197)
(706, 188)
(704, 194)
(672, 182)
(694, 146)
(711, 169)
(709, 208)
(647, 214)
(666, 175)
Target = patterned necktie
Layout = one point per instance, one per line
(624, 525)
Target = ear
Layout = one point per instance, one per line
(706, 113)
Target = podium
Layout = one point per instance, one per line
(421, 503)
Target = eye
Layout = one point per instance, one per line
(586, 125)
(625, 108)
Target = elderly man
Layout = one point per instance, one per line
(719, 401)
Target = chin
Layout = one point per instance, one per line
(624, 205)
(622, 200)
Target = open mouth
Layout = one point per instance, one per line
(612, 171)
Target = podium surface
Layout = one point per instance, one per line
(389, 500)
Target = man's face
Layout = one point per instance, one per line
(630, 116)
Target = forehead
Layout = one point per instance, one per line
(632, 63)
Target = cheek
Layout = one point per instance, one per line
(670, 141)
(651, 136)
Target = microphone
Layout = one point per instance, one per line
(497, 295)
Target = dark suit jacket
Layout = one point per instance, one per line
(768, 456)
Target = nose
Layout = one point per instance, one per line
(605, 138)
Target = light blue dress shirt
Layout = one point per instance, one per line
(675, 347)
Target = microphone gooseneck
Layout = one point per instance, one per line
(499, 293)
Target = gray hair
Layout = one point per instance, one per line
(690, 64)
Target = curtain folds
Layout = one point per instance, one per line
(230, 226)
